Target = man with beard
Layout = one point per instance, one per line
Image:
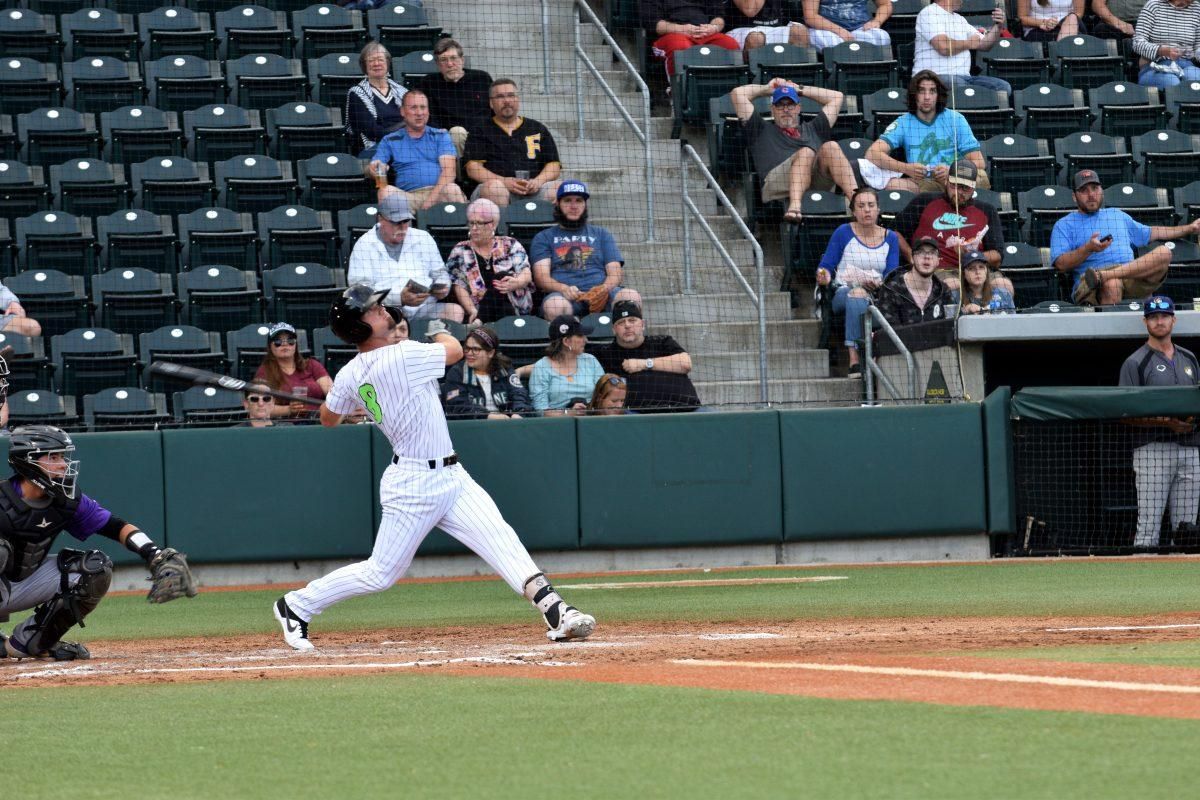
(577, 265)
(458, 97)
(915, 294)
(508, 155)
(655, 367)
(1096, 245)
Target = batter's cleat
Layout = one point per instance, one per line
(573, 624)
(295, 630)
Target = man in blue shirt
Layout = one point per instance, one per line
(422, 157)
(1096, 245)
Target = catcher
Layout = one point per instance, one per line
(38, 502)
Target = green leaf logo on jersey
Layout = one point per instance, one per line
(367, 393)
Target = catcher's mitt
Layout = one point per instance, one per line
(170, 577)
(596, 298)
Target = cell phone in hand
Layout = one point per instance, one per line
(437, 287)
(417, 288)
(1104, 239)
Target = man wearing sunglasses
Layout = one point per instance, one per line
(258, 408)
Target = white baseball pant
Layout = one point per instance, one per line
(1162, 471)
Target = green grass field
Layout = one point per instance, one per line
(429, 735)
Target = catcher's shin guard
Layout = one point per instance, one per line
(41, 633)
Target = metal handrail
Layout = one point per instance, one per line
(873, 370)
(545, 46)
(687, 154)
(643, 133)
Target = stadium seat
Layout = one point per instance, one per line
(1085, 62)
(1104, 154)
(303, 130)
(246, 347)
(1017, 163)
(180, 344)
(523, 338)
(600, 330)
(327, 28)
(133, 134)
(207, 407)
(42, 406)
(23, 190)
(221, 132)
(28, 366)
(256, 183)
(853, 150)
(525, 219)
(99, 32)
(1054, 307)
(87, 360)
(402, 28)
(354, 222)
(134, 300)
(59, 302)
(804, 244)
(176, 31)
(1183, 278)
(57, 240)
(988, 112)
(331, 76)
(253, 29)
(172, 185)
(331, 351)
(90, 187)
(1049, 111)
(446, 223)
(850, 122)
(1149, 206)
(1126, 109)
(297, 234)
(183, 83)
(8, 249)
(1187, 201)
(10, 146)
(302, 293)
(891, 203)
(265, 81)
(102, 83)
(219, 297)
(1003, 203)
(800, 65)
(1168, 158)
(411, 67)
(218, 236)
(1017, 61)
(138, 238)
(1183, 102)
(702, 73)
(726, 139)
(332, 181)
(859, 68)
(124, 408)
(1041, 207)
(54, 135)
(882, 107)
(1034, 280)
(25, 33)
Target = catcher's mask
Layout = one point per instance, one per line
(31, 442)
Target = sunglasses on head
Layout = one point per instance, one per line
(282, 340)
(615, 381)
(1158, 304)
(258, 398)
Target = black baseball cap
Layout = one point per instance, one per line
(566, 325)
(926, 241)
(626, 308)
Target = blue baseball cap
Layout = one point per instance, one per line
(785, 93)
(972, 256)
(1158, 304)
(572, 187)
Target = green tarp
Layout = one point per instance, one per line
(1046, 403)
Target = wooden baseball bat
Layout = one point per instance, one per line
(202, 377)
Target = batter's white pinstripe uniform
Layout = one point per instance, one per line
(398, 386)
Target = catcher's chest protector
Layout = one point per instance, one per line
(29, 530)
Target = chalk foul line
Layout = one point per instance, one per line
(702, 582)
(1123, 628)
(909, 672)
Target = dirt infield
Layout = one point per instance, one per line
(847, 659)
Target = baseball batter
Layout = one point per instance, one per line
(425, 485)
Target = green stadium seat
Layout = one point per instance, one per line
(1183, 102)
(54, 135)
(218, 236)
(58, 240)
(1168, 158)
(1149, 206)
(333, 181)
(525, 219)
(1017, 163)
(1126, 109)
(522, 338)
(28, 365)
(172, 185)
(23, 190)
(800, 65)
(302, 293)
(303, 130)
(411, 67)
(134, 300)
(88, 360)
(102, 83)
(138, 238)
(446, 223)
(702, 73)
(1041, 207)
(256, 183)
(219, 297)
(402, 28)
(1034, 280)
(327, 28)
(59, 302)
(1104, 154)
(987, 111)
(882, 107)
(100, 32)
(1050, 111)
(859, 68)
(253, 30)
(90, 187)
(265, 80)
(1017, 61)
(331, 351)
(183, 83)
(180, 344)
(1085, 62)
(124, 408)
(297, 234)
(24, 33)
(221, 132)
(331, 76)
(354, 222)
(133, 134)
(1187, 201)
(42, 406)
(176, 31)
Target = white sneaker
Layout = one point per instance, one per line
(295, 630)
(573, 624)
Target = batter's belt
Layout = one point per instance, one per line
(432, 463)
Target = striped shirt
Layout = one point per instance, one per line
(1161, 23)
(398, 384)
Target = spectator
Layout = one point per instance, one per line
(259, 408)
(491, 273)
(790, 156)
(1096, 245)
(608, 398)
(945, 40)
(859, 256)
(656, 367)
(509, 155)
(1114, 19)
(754, 23)
(483, 385)
(400, 332)
(915, 294)
(458, 97)
(674, 25)
(373, 104)
(576, 264)
(932, 138)
(563, 379)
(978, 295)
(394, 255)
(1167, 36)
(422, 157)
(1049, 20)
(284, 369)
(14, 319)
(1166, 461)
(831, 22)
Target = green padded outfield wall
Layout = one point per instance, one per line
(1001, 489)
(887, 471)
(684, 479)
(527, 466)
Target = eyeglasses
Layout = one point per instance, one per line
(472, 349)
(282, 341)
(446, 58)
(258, 398)
(506, 96)
(480, 223)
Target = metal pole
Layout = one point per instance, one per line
(545, 46)
(578, 77)
(764, 395)
(649, 166)
(687, 217)
(868, 375)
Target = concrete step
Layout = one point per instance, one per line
(631, 201)
(552, 108)
(563, 81)
(670, 251)
(726, 337)
(834, 391)
(609, 127)
(668, 280)
(743, 366)
(629, 153)
(671, 310)
(631, 229)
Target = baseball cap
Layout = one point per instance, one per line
(1084, 177)
(278, 328)
(626, 308)
(925, 241)
(565, 325)
(572, 187)
(394, 208)
(963, 173)
(1158, 304)
(785, 93)
(972, 256)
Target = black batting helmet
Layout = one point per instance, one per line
(346, 314)
(31, 442)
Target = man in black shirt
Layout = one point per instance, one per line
(656, 367)
(458, 97)
(511, 156)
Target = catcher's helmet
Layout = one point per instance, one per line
(346, 314)
(31, 442)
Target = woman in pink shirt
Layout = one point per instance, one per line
(285, 370)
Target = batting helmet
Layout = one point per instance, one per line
(346, 314)
(31, 442)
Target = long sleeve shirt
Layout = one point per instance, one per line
(1161, 23)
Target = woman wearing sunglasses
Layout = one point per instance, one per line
(258, 408)
(285, 370)
(609, 396)
(483, 385)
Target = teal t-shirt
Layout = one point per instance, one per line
(938, 143)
